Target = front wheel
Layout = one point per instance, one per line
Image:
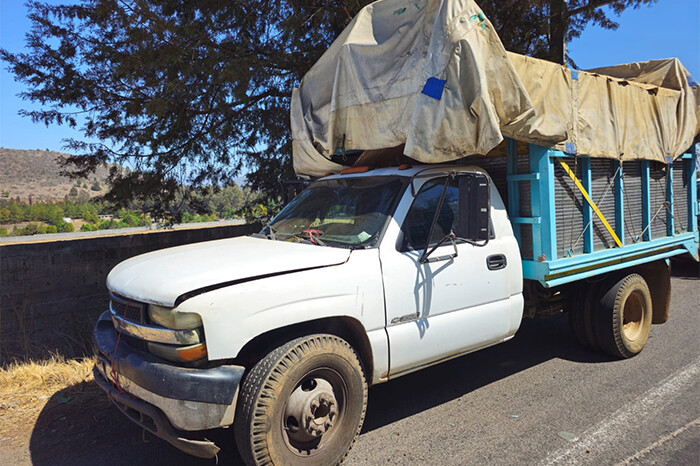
(303, 403)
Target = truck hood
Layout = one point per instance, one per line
(160, 277)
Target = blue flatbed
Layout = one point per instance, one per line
(576, 217)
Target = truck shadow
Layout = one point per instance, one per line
(537, 341)
(80, 426)
(685, 269)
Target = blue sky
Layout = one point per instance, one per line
(670, 28)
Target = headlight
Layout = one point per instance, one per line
(169, 318)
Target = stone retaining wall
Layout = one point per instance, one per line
(52, 291)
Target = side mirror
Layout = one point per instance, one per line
(474, 207)
(473, 219)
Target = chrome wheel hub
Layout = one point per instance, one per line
(311, 410)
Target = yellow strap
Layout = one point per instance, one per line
(590, 201)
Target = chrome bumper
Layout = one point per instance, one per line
(155, 334)
(153, 420)
(162, 397)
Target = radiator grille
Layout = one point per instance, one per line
(133, 311)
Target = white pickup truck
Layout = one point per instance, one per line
(355, 282)
(367, 275)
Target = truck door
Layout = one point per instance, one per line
(459, 299)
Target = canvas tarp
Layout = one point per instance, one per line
(433, 76)
(634, 111)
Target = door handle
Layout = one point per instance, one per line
(496, 262)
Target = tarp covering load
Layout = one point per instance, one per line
(433, 76)
(635, 111)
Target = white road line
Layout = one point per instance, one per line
(641, 453)
(601, 436)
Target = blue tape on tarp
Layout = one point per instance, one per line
(691, 81)
(570, 148)
(434, 87)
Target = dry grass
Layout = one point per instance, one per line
(26, 387)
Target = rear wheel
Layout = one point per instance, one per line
(624, 317)
(303, 403)
(582, 315)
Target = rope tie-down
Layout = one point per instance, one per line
(113, 373)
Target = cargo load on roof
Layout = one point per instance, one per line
(433, 79)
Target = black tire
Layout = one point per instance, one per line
(303, 403)
(576, 316)
(582, 315)
(624, 317)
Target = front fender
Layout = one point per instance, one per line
(234, 315)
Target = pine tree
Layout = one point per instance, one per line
(187, 92)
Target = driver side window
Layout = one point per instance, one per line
(416, 226)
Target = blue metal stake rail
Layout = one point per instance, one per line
(551, 270)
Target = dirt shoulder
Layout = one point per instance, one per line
(53, 412)
(38, 398)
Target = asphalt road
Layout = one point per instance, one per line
(538, 399)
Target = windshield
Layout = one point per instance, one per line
(349, 212)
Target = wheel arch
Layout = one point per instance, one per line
(345, 327)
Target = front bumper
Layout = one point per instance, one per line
(162, 397)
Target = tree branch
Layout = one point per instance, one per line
(591, 6)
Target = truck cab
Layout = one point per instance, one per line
(367, 275)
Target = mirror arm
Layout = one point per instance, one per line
(424, 256)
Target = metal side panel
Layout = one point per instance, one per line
(657, 197)
(525, 207)
(495, 166)
(632, 201)
(680, 195)
(523, 162)
(568, 203)
(497, 169)
(603, 194)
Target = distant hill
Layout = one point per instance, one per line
(36, 173)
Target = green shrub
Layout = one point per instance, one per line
(106, 224)
(130, 220)
(64, 227)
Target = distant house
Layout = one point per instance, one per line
(106, 217)
(67, 219)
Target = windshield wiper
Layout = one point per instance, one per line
(309, 236)
(270, 232)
